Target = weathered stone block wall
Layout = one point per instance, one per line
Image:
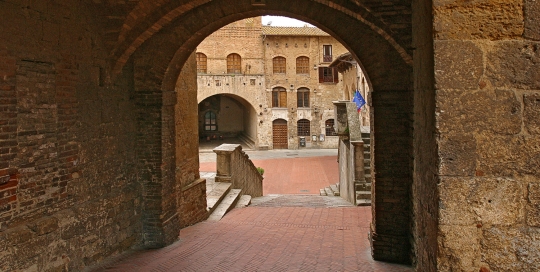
(487, 80)
(67, 142)
(321, 94)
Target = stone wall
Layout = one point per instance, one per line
(67, 137)
(246, 38)
(487, 84)
(321, 94)
(351, 150)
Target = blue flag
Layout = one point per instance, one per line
(359, 100)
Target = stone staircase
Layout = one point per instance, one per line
(332, 190)
(220, 198)
(363, 189)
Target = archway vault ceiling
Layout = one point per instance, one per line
(126, 24)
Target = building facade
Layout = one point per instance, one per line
(271, 86)
(354, 79)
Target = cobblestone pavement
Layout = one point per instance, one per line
(269, 237)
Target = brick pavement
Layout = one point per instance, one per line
(302, 175)
(278, 237)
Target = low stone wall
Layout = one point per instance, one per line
(234, 166)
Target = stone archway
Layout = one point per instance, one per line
(235, 117)
(90, 99)
(391, 99)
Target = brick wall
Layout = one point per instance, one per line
(192, 201)
(391, 161)
(67, 143)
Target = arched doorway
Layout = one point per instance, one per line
(384, 56)
(225, 116)
(279, 134)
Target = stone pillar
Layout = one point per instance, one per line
(358, 161)
(223, 163)
(392, 177)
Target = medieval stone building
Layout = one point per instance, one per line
(353, 80)
(98, 126)
(271, 86)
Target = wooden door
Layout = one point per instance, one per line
(279, 130)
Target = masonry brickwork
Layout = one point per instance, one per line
(88, 127)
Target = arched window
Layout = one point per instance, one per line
(279, 65)
(210, 122)
(329, 127)
(279, 97)
(303, 127)
(303, 98)
(201, 63)
(234, 64)
(302, 65)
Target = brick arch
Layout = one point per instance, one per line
(150, 17)
(389, 73)
(240, 99)
(372, 50)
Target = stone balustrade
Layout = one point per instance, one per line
(234, 166)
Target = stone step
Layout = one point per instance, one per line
(363, 194)
(367, 155)
(368, 178)
(226, 205)
(244, 201)
(335, 189)
(367, 162)
(363, 202)
(366, 140)
(329, 191)
(360, 186)
(322, 192)
(365, 135)
(216, 195)
(367, 170)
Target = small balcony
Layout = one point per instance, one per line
(327, 58)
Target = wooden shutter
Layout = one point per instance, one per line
(321, 74)
(282, 99)
(335, 72)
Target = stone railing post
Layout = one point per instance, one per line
(358, 161)
(224, 161)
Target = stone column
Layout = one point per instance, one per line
(358, 161)
(224, 159)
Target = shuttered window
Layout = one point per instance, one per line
(201, 63)
(328, 75)
(279, 65)
(302, 65)
(279, 98)
(303, 98)
(234, 64)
